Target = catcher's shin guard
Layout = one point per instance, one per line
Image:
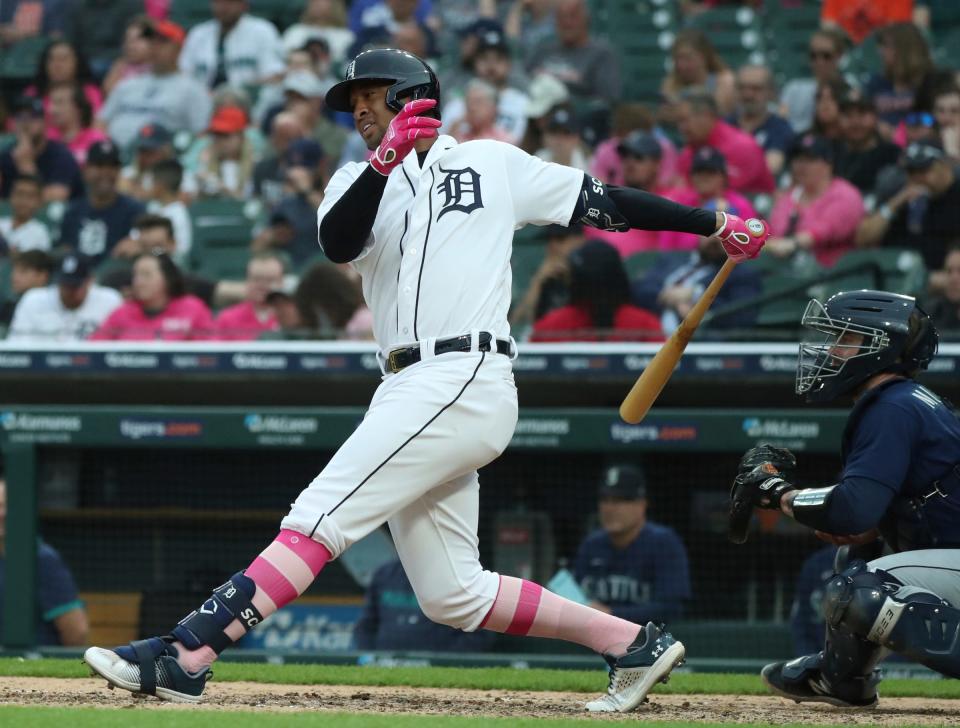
(919, 625)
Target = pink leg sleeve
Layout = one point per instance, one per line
(525, 608)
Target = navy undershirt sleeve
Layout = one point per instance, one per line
(646, 211)
(346, 227)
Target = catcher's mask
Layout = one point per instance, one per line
(857, 334)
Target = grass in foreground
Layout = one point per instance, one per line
(24, 717)
(481, 678)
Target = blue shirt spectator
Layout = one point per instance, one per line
(672, 285)
(97, 222)
(806, 618)
(631, 567)
(33, 154)
(61, 618)
(392, 619)
(381, 13)
(755, 98)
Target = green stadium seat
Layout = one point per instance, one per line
(900, 270)
(111, 267)
(525, 261)
(19, 61)
(785, 312)
(222, 230)
(7, 140)
(52, 215)
(190, 12)
(6, 268)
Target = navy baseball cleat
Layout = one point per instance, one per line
(148, 667)
(648, 661)
(802, 681)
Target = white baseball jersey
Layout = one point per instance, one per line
(40, 316)
(437, 262)
(252, 51)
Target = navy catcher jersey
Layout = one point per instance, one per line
(902, 438)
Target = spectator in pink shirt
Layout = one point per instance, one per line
(640, 157)
(160, 309)
(248, 319)
(709, 189)
(61, 64)
(700, 126)
(72, 117)
(820, 213)
(629, 117)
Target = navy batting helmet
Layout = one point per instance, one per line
(866, 332)
(408, 75)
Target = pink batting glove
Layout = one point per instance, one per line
(405, 128)
(742, 239)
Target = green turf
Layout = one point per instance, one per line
(24, 717)
(486, 678)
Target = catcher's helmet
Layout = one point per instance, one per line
(897, 336)
(409, 76)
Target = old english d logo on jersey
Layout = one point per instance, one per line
(461, 191)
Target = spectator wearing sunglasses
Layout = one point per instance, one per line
(798, 97)
(861, 152)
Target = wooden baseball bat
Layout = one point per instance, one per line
(652, 380)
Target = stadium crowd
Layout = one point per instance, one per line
(161, 163)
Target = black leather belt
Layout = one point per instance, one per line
(401, 358)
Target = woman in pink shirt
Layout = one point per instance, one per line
(160, 309)
(61, 64)
(71, 116)
(820, 213)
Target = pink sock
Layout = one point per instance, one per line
(525, 608)
(281, 572)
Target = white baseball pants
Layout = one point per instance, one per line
(413, 461)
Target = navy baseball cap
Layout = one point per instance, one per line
(562, 120)
(104, 153)
(708, 159)
(303, 153)
(74, 270)
(920, 156)
(640, 144)
(492, 38)
(855, 98)
(153, 136)
(813, 146)
(625, 482)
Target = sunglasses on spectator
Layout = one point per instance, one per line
(816, 55)
(919, 118)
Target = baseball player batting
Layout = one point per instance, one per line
(900, 483)
(428, 224)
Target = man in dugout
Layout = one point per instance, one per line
(632, 567)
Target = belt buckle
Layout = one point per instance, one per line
(392, 360)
